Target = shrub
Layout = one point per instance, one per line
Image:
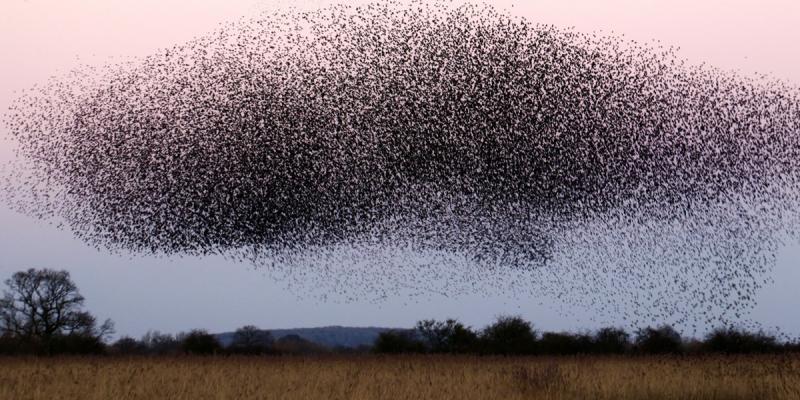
(661, 340)
(76, 344)
(251, 340)
(200, 342)
(509, 335)
(396, 342)
(128, 346)
(564, 343)
(158, 343)
(611, 341)
(449, 336)
(736, 341)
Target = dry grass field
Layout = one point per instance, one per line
(404, 377)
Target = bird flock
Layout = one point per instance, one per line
(427, 148)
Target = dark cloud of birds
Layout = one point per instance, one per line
(427, 146)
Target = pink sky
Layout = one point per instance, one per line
(37, 36)
(40, 38)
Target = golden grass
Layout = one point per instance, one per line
(405, 377)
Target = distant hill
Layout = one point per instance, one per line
(329, 336)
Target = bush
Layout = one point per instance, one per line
(564, 344)
(128, 346)
(251, 340)
(449, 336)
(462, 340)
(611, 341)
(76, 345)
(396, 342)
(161, 344)
(12, 345)
(508, 336)
(736, 341)
(200, 342)
(661, 340)
(71, 344)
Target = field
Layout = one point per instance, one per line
(401, 377)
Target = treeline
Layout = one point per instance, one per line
(247, 340)
(506, 336)
(512, 335)
(41, 312)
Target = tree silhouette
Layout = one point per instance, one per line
(611, 341)
(396, 342)
(449, 336)
(661, 340)
(509, 335)
(251, 340)
(564, 343)
(738, 341)
(128, 346)
(43, 307)
(160, 343)
(201, 342)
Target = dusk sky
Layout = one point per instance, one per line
(44, 38)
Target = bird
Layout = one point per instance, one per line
(427, 150)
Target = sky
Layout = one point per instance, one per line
(43, 38)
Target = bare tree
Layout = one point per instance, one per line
(42, 304)
(160, 343)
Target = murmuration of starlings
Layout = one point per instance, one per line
(427, 148)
